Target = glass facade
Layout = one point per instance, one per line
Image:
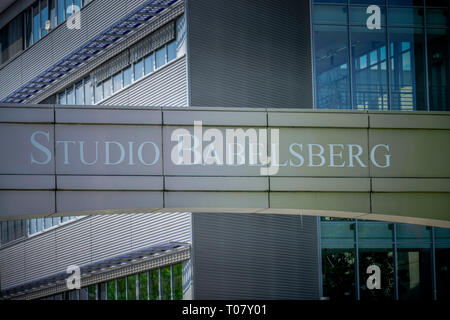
(405, 255)
(393, 55)
(156, 284)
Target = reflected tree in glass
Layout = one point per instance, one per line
(338, 267)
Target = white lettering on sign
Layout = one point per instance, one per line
(212, 147)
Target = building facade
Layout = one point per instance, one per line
(71, 64)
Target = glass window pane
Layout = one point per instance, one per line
(121, 289)
(92, 292)
(84, 294)
(414, 274)
(359, 16)
(138, 70)
(53, 14)
(406, 16)
(102, 291)
(88, 91)
(160, 57)
(149, 64)
(443, 273)
(384, 259)
(11, 234)
(338, 267)
(337, 231)
(438, 69)
(154, 285)
(117, 81)
(62, 98)
(330, 14)
(36, 22)
(438, 18)
(70, 96)
(32, 226)
(99, 92)
(411, 232)
(171, 51)
(406, 2)
(177, 282)
(368, 2)
(61, 11)
(107, 88)
(40, 224)
(79, 93)
(131, 287)
(408, 86)
(44, 16)
(47, 223)
(111, 290)
(28, 27)
(127, 76)
(77, 3)
(56, 221)
(165, 284)
(375, 231)
(4, 226)
(331, 67)
(143, 286)
(370, 86)
(442, 234)
(438, 3)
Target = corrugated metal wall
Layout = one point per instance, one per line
(252, 256)
(254, 53)
(87, 240)
(96, 17)
(166, 87)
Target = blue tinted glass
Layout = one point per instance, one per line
(117, 82)
(160, 57)
(330, 1)
(88, 91)
(99, 92)
(370, 84)
(359, 15)
(32, 226)
(77, 3)
(70, 96)
(405, 16)
(107, 88)
(439, 69)
(36, 23)
(44, 16)
(171, 51)
(79, 93)
(438, 3)
(405, 2)
(47, 223)
(368, 2)
(56, 221)
(138, 69)
(330, 14)
(127, 75)
(62, 98)
(40, 224)
(438, 18)
(61, 11)
(407, 69)
(331, 67)
(149, 64)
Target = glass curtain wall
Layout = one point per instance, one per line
(405, 255)
(381, 54)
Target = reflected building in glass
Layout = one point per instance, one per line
(400, 64)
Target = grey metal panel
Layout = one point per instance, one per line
(40, 256)
(160, 228)
(166, 87)
(249, 53)
(37, 202)
(110, 236)
(245, 256)
(12, 266)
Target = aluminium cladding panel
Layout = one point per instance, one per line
(255, 256)
(165, 87)
(60, 42)
(87, 240)
(249, 53)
